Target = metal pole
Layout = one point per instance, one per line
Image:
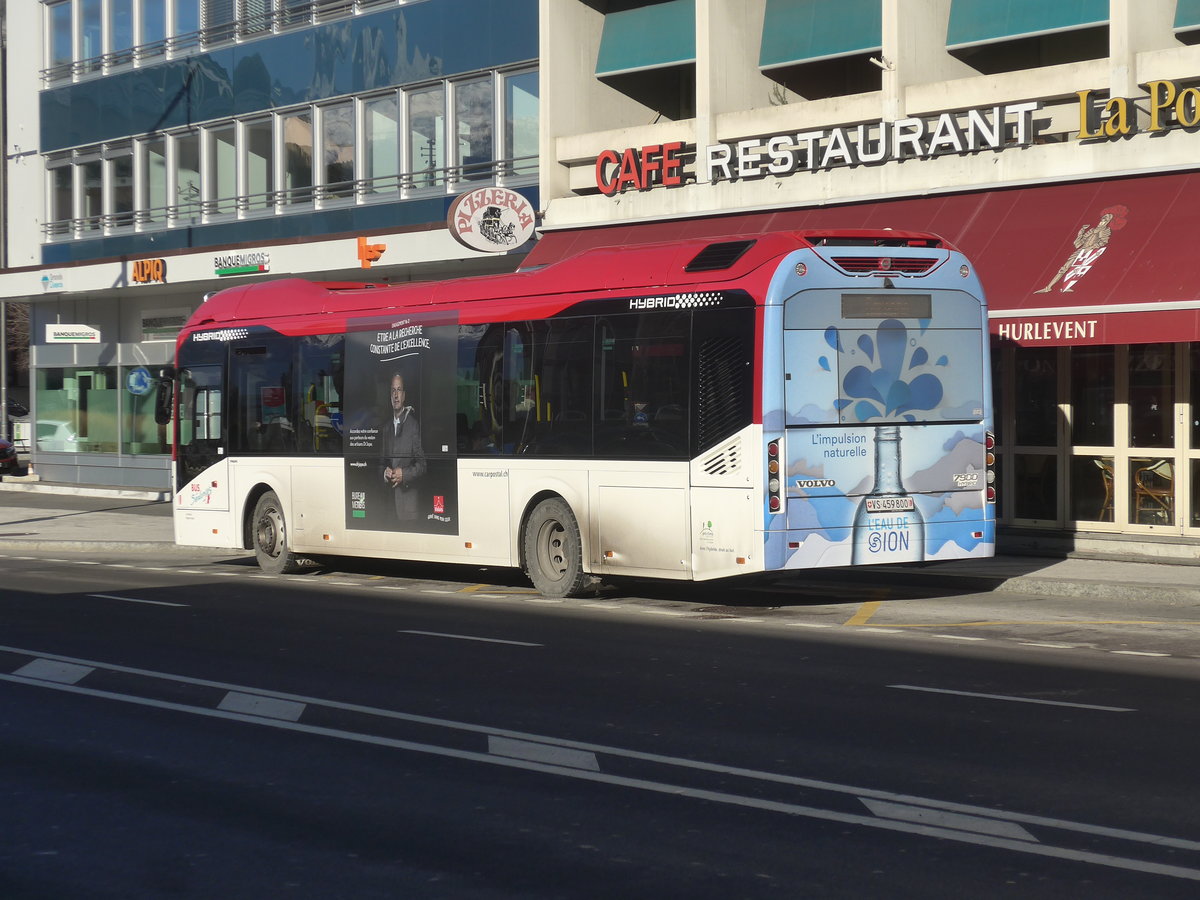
(6, 431)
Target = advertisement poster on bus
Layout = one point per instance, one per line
(401, 444)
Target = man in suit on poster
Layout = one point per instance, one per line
(403, 455)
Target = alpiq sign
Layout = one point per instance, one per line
(996, 128)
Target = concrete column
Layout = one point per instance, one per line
(1136, 26)
(914, 50)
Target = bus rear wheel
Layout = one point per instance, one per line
(269, 532)
(553, 550)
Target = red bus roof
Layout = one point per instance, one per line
(691, 264)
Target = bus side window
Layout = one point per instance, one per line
(262, 375)
(642, 379)
(322, 359)
(479, 380)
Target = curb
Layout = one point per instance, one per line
(36, 487)
(127, 546)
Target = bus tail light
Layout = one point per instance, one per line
(774, 498)
(989, 444)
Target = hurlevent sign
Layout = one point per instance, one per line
(996, 128)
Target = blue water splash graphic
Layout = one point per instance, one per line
(882, 391)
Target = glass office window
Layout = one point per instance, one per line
(256, 16)
(381, 155)
(76, 410)
(91, 193)
(217, 19)
(521, 123)
(297, 157)
(259, 163)
(120, 172)
(140, 434)
(120, 27)
(91, 33)
(222, 188)
(187, 175)
(154, 21)
(186, 17)
(59, 24)
(426, 136)
(62, 197)
(155, 194)
(474, 121)
(337, 148)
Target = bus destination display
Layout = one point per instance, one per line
(887, 306)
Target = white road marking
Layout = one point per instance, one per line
(959, 637)
(436, 591)
(547, 753)
(930, 690)
(136, 600)
(807, 625)
(1049, 644)
(468, 637)
(55, 670)
(828, 815)
(978, 824)
(1139, 653)
(881, 630)
(681, 762)
(257, 705)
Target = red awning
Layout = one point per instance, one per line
(1097, 262)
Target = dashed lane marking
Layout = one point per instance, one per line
(136, 600)
(469, 637)
(1009, 698)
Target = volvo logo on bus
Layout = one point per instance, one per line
(491, 219)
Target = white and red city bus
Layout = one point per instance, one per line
(696, 409)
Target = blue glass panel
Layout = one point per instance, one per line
(1187, 13)
(980, 21)
(805, 30)
(649, 37)
(399, 46)
(350, 220)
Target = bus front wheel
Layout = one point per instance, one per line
(553, 550)
(269, 530)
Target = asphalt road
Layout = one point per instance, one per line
(191, 728)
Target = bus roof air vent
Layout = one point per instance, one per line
(718, 256)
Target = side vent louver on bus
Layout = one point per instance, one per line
(870, 265)
(726, 461)
(718, 256)
(723, 392)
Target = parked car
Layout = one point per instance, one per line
(54, 434)
(8, 456)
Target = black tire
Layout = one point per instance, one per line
(268, 532)
(553, 550)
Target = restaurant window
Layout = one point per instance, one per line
(1035, 465)
(1152, 395)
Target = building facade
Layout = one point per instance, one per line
(1055, 143)
(158, 150)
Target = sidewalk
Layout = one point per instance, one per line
(141, 521)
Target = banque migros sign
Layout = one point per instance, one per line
(1001, 127)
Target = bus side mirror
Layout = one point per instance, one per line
(163, 401)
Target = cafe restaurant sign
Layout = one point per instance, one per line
(997, 128)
